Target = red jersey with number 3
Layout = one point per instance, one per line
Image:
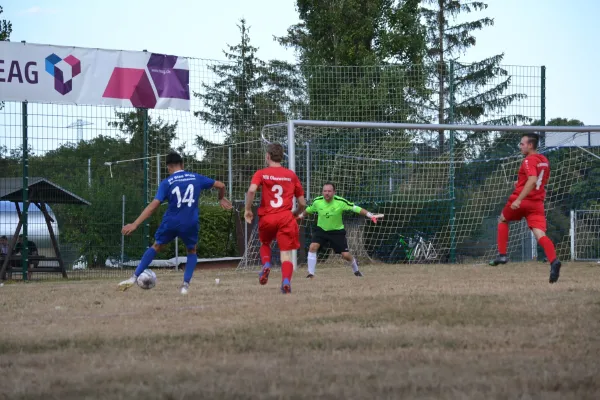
(279, 187)
(533, 165)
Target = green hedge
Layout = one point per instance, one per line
(217, 234)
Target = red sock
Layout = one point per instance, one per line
(502, 238)
(287, 269)
(548, 247)
(265, 254)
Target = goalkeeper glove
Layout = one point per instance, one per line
(372, 217)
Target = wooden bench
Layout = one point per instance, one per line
(33, 265)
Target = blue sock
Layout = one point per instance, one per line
(146, 260)
(190, 266)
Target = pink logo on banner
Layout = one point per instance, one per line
(134, 84)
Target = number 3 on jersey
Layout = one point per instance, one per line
(277, 192)
(188, 196)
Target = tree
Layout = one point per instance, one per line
(476, 92)
(246, 97)
(357, 58)
(5, 31)
(5, 28)
(248, 94)
(356, 33)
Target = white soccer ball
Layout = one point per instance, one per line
(147, 279)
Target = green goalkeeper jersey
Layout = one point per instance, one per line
(330, 213)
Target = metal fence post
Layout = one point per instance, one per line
(307, 191)
(292, 165)
(24, 215)
(543, 104)
(230, 171)
(146, 189)
(451, 172)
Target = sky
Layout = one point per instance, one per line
(553, 33)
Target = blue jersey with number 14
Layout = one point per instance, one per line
(182, 189)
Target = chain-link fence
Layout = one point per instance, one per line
(96, 167)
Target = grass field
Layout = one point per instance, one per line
(401, 332)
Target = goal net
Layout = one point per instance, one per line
(585, 235)
(441, 190)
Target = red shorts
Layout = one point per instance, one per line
(281, 226)
(532, 211)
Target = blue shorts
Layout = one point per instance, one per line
(188, 233)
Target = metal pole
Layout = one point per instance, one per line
(292, 166)
(534, 252)
(245, 234)
(157, 170)
(145, 145)
(543, 105)
(230, 167)
(89, 172)
(572, 233)
(523, 228)
(307, 194)
(25, 199)
(437, 127)
(452, 196)
(123, 236)
(391, 184)
(176, 253)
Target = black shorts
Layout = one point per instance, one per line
(336, 239)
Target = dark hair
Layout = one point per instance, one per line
(3, 237)
(329, 183)
(275, 151)
(533, 138)
(174, 158)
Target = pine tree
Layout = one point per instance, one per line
(249, 93)
(479, 88)
(5, 31)
(244, 98)
(5, 28)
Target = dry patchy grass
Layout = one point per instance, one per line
(422, 332)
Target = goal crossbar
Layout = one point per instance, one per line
(448, 127)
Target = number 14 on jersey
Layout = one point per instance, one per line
(188, 196)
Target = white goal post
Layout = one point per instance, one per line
(585, 235)
(396, 169)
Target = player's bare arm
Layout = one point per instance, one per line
(248, 214)
(148, 211)
(531, 182)
(299, 211)
(373, 217)
(225, 204)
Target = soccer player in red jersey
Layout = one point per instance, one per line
(276, 219)
(527, 201)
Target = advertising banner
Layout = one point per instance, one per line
(74, 75)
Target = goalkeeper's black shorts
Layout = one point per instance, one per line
(334, 239)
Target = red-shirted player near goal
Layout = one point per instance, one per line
(276, 219)
(527, 201)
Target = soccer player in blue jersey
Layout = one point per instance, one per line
(182, 190)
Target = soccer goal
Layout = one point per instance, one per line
(585, 235)
(440, 187)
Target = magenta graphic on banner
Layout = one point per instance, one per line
(134, 84)
(63, 71)
(170, 82)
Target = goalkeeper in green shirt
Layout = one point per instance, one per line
(330, 228)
